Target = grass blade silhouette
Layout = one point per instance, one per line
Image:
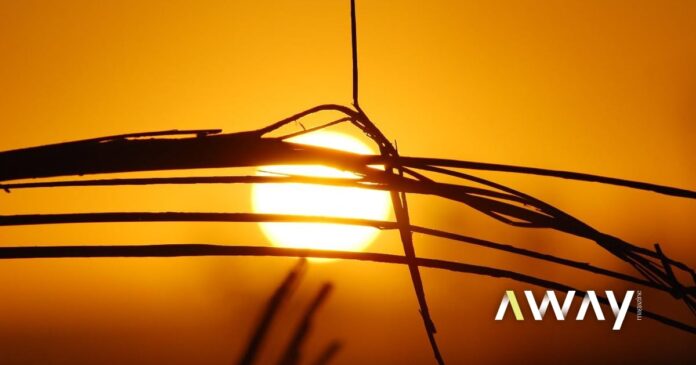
(293, 352)
(328, 354)
(284, 290)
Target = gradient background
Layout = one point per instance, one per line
(605, 87)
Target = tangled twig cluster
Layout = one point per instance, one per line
(196, 149)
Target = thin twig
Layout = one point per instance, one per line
(354, 52)
(35, 219)
(398, 199)
(314, 129)
(190, 250)
(662, 189)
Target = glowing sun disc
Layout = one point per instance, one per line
(320, 200)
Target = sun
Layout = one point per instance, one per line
(320, 200)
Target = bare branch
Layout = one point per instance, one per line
(191, 250)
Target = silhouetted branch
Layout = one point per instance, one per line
(32, 219)
(314, 129)
(661, 189)
(320, 108)
(257, 217)
(635, 256)
(354, 52)
(376, 181)
(208, 148)
(387, 151)
(122, 153)
(190, 180)
(190, 250)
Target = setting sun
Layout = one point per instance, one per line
(347, 182)
(319, 200)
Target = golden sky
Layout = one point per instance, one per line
(605, 87)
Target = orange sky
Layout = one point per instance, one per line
(592, 86)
